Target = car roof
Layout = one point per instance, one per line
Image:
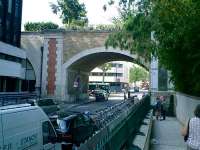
(69, 117)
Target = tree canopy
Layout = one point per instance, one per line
(71, 11)
(39, 26)
(105, 67)
(175, 25)
(137, 74)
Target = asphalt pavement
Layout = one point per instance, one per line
(93, 106)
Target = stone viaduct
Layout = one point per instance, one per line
(67, 59)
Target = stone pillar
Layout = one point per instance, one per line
(154, 74)
(52, 64)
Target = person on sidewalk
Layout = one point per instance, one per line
(192, 131)
(158, 108)
(124, 91)
(163, 108)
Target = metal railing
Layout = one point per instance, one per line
(117, 123)
(12, 98)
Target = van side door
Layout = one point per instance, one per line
(49, 136)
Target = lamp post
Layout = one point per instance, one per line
(41, 68)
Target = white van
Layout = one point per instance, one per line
(26, 127)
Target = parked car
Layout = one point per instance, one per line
(48, 105)
(101, 95)
(74, 128)
(103, 86)
(134, 89)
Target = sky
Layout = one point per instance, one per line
(39, 10)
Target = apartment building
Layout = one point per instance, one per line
(117, 76)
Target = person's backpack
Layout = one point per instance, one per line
(158, 105)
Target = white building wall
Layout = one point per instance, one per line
(124, 70)
(11, 69)
(154, 74)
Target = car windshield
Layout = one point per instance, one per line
(104, 87)
(46, 102)
(92, 86)
(63, 125)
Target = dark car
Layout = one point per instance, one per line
(48, 105)
(101, 95)
(136, 89)
(75, 128)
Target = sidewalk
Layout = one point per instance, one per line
(166, 135)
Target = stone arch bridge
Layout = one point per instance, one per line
(67, 59)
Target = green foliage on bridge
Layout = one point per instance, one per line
(71, 12)
(39, 26)
(176, 37)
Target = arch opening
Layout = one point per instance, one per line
(77, 69)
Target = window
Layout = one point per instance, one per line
(63, 125)
(18, 8)
(79, 121)
(120, 65)
(120, 74)
(9, 6)
(48, 132)
(87, 120)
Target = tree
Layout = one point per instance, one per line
(137, 74)
(105, 67)
(136, 28)
(176, 27)
(71, 11)
(177, 31)
(39, 26)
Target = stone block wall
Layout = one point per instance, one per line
(185, 105)
(76, 42)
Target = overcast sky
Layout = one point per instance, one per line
(39, 10)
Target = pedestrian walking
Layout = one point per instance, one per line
(191, 131)
(163, 107)
(124, 91)
(158, 108)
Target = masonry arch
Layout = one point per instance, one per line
(78, 67)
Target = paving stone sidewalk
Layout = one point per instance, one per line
(166, 135)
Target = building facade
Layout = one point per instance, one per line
(10, 21)
(117, 76)
(16, 72)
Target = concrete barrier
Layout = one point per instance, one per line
(142, 139)
(185, 105)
